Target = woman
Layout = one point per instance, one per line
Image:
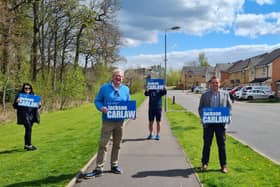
(26, 116)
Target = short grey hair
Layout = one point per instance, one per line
(117, 71)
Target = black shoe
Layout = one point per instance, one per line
(116, 170)
(30, 147)
(95, 173)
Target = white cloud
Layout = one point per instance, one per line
(141, 20)
(254, 25)
(177, 60)
(262, 2)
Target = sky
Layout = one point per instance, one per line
(224, 30)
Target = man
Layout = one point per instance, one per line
(155, 110)
(214, 98)
(110, 92)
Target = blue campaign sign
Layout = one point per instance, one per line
(155, 84)
(29, 100)
(215, 115)
(121, 110)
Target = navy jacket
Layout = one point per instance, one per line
(155, 101)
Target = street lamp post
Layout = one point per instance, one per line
(165, 60)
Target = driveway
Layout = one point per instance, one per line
(256, 125)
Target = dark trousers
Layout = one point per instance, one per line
(208, 133)
(28, 132)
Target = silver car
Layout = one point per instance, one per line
(256, 94)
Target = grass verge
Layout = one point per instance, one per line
(246, 167)
(66, 140)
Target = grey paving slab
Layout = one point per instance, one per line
(147, 162)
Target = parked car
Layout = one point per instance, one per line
(240, 94)
(199, 89)
(256, 94)
(233, 92)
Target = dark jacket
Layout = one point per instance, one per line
(26, 115)
(155, 101)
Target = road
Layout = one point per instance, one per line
(254, 124)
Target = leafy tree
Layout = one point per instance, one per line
(203, 60)
(173, 76)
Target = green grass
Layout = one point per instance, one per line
(66, 141)
(246, 167)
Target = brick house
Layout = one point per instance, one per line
(238, 73)
(222, 73)
(196, 76)
(267, 71)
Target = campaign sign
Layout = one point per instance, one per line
(121, 110)
(29, 100)
(216, 115)
(155, 84)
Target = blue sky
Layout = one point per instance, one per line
(225, 31)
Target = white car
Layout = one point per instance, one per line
(256, 94)
(199, 89)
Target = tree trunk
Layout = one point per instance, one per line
(34, 54)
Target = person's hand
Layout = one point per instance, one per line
(104, 110)
(18, 100)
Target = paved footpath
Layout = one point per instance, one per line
(148, 163)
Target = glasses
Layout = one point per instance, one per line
(116, 93)
(27, 88)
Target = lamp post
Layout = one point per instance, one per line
(165, 60)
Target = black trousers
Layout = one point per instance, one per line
(28, 132)
(208, 132)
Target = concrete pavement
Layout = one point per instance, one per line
(145, 162)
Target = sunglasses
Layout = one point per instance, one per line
(27, 88)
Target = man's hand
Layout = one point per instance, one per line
(104, 110)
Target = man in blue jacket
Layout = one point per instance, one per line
(110, 92)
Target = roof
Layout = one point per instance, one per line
(223, 67)
(258, 80)
(269, 58)
(239, 65)
(198, 70)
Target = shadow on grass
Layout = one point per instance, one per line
(166, 173)
(198, 170)
(11, 151)
(133, 140)
(43, 182)
(183, 128)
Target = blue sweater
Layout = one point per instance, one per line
(107, 94)
(155, 101)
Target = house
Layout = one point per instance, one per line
(221, 72)
(196, 76)
(267, 71)
(238, 73)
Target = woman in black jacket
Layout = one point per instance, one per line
(26, 116)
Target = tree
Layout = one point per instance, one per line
(203, 60)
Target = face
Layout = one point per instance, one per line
(215, 84)
(27, 89)
(117, 78)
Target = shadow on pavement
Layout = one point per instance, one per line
(134, 140)
(166, 173)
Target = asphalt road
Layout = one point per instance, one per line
(256, 125)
